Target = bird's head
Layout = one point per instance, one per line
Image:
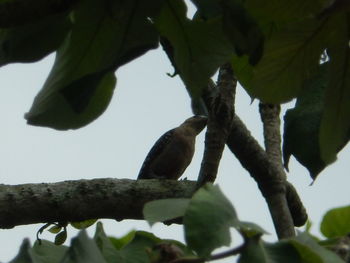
(197, 123)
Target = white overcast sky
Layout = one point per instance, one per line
(146, 103)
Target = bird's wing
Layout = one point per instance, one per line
(155, 151)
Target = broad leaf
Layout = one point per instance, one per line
(136, 250)
(284, 11)
(258, 251)
(83, 250)
(335, 222)
(32, 42)
(290, 56)
(311, 252)
(108, 250)
(199, 47)
(165, 209)
(45, 252)
(208, 219)
(239, 27)
(81, 83)
(302, 124)
(335, 126)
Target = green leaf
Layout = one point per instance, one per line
(208, 219)
(165, 209)
(83, 224)
(119, 243)
(284, 11)
(61, 237)
(311, 252)
(32, 42)
(136, 250)
(239, 27)
(291, 55)
(335, 222)
(251, 229)
(108, 250)
(55, 229)
(335, 125)
(23, 255)
(258, 251)
(200, 47)
(302, 124)
(47, 252)
(83, 250)
(81, 83)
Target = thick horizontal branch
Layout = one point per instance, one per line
(72, 201)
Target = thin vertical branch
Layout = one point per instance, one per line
(277, 200)
(220, 118)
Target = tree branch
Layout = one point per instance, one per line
(220, 117)
(255, 160)
(72, 201)
(277, 200)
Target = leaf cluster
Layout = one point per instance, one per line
(204, 230)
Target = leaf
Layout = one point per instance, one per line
(81, 82)
(258, 251)
(32, 42)
(302, 124)
(335, 222)
(61, 237)
(239, 27)
(55, 229)
(119, 243)
(23, 255)
(83, 250)
(251, 229)
(200, 47)
(136, 250)
(335, 125)
(108, 250)
(83, 224)
(165, 209)
(291, 55)
(284, 11)
(312, 252)
(208, 219)
(47, 252)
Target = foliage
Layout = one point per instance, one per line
(275, 50)
(204, 231)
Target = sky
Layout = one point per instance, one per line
(146, 104)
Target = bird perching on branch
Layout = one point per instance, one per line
(173, 151)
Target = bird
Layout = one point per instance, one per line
(173, 151)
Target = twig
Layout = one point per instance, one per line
(225, 254)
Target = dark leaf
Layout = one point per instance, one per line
(199, 47)
(310, 251)
(206, 230)
(302, 124)
(83, 250)
(32, 42)
(61, 237)
(258, 251)
(105, 35)
(83, 224)
(335, 125)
